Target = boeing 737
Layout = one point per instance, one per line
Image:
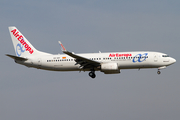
(108, 63)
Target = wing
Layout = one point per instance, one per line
(85, 63)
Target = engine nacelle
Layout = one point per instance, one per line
(110, 68)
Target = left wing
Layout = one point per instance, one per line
(84, 62)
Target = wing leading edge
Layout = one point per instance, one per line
(84, 62)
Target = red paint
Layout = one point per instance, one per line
(119, 55)
(21, 40)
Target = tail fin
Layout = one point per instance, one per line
(22, 46)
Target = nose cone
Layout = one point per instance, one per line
(173, 60)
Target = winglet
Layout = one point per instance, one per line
(63, 48)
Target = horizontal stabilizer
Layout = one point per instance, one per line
(16, 57)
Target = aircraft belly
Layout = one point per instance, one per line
(131, 65)
(66, 67)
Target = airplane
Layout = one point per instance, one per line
(108, 63)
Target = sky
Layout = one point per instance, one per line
(90, 26)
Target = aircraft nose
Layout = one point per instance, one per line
(173, 60)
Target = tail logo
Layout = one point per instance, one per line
(19, 49)
(20, 38)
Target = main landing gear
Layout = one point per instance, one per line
(92, 74)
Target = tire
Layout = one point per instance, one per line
(92, 74)
(158, 72)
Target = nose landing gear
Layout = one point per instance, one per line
(158, 72)
(92, 74)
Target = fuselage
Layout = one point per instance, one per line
(108, 63)
(125, 60)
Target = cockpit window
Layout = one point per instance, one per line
(165, 55)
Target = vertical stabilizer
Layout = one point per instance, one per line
(22, 46)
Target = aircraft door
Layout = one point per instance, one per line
(39, 62)
(155, 57)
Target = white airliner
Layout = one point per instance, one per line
(109, 63)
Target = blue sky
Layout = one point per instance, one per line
(91, 26)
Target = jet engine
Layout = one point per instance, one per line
(110, 68)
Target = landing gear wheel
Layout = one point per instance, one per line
(158, 72)
(92, 74)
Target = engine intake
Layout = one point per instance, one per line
(110, 68)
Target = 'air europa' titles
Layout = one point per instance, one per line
(21, 40)
(119, 55)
